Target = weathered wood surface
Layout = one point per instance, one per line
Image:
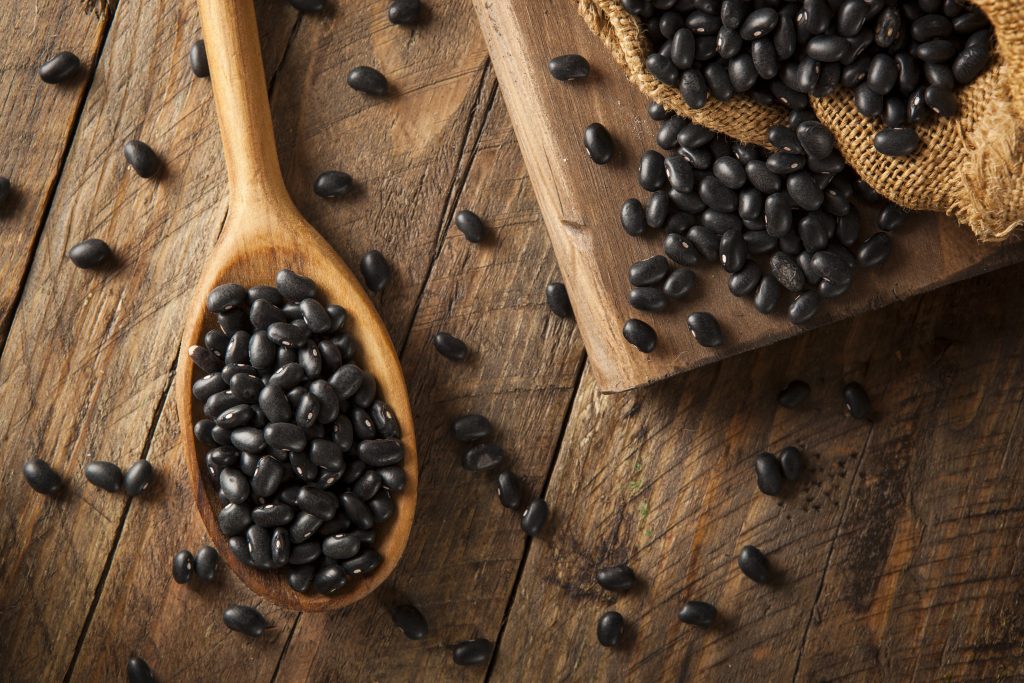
(581, 203)
(899, 552)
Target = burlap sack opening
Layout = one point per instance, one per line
(970, 167)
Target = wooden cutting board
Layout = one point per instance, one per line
(580, 202)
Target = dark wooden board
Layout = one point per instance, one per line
(581, 202)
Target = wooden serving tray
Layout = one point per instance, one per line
(580, 202)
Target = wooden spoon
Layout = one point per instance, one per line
(264, 233)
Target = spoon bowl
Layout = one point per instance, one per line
(263, 234)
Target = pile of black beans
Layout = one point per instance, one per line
(777, 221)
(304, 454)
(904, 59)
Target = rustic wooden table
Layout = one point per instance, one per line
(899, 555)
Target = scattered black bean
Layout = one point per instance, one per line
(792, 462)
(804, 307)
(182, 566)
(558, 300)
(482, 457)
(470, 225)
(450, 347)
(59, 68)
(897, 142)
(368, 80)
(332, 184)
(472, 652)
(510, 491)
(206, 561)
(754, 564)
(619, 578)
(404, 12)
(874, 250)
(569, 67)
(697, 613)
(197, 60)
(609, 628)
(90, 253)
(41, 477)
(856, 401)
(142, 158)
(411, 622)
(598, 143)
(375, 270)
(472, 427)
(104, 475)
(640, 334)
(794, 393)
(244, 619)
(704, 328)
(139, 672)
(138, 477)
(534, 517)
(769, 474)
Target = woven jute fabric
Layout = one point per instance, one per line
(970, 166)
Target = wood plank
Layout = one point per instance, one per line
(465, 549)
(85, 369)
(906, 527)
(36, 122)
(581, 202)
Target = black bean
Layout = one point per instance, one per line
(633, 217)
(392, 478)
(59, 68)
(732, 251)
(697, 613)
(273, 515)
(598, 143)
(234, 518)
(558, 300)
(182, 565)
(787, 271)
(745, 281)
(766, 298)
(294, 287)
(769, 474)
(142, 158)
(362, 424)
(510, 491)
(90, 253)
(303, 526)
(104, 475)
(804, 307)
(364, 563)
(640, 334)
(792, 462)
(647, 299)
(534, 517)
(234, 485)
(138, 477)
(891, 217)
(679, 283)
(375, 270)
(754, 564)
(323, 504)
(300, 578)
(832, 268)
(347, 381)
(404, 12)
(662, 68)
(794, 393)
(139, 672)
(472, 427)
(971, 62)
(450, 347)
(609, 629)
(367, 486)
(41, 477)
(285, 436)
(569, 67)
(856, 401)
(381, 452)
(472, 652)
(382, 507)
(367, 80)
(197, 60)
(470, 225)
(941, 100)
(245, 620)
(619, 578)
(705, 329)
(897, 142)
(224, 298)
(308, 552)
(411, 622)
(333, 184)
(657, 210)
(693, 88)
(206, 560)
(874, 250)
(657, 112)
(482, 457)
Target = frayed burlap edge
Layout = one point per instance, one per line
(970, 167)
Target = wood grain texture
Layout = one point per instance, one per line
(581, 203)
(86, 365)
(895, 556)
(37, 122)
(465, 550)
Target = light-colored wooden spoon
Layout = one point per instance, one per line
(264, 233)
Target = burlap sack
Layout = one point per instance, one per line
(970, 167)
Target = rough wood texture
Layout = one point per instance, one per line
(264, 233)
(581, 203)
(902, 566)
(895, 556)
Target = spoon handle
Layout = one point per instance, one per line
(243, 108)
